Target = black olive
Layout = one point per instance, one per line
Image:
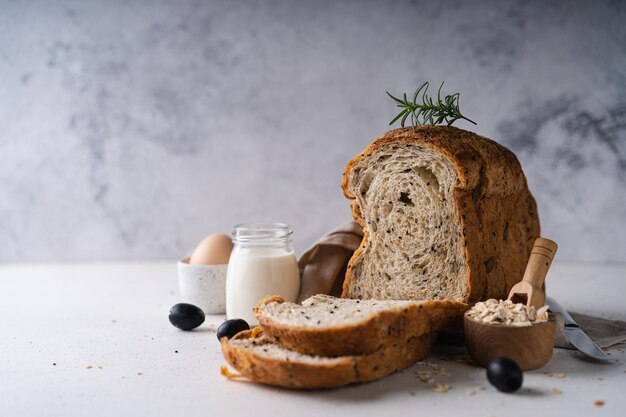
(505, 374)
(231, 327)
(186, 316)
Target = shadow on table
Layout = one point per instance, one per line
(460, 375)
(401, 383)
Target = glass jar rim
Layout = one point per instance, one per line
(262, 232)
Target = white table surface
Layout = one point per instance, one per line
(57, 320)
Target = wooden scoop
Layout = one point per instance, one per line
(530, 290)
(531, 347)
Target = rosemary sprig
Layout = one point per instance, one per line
(428, 111)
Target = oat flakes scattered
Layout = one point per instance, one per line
(556, 391)
(441, 388)
(555, 374)
(433, 366)
(425, 376)
(88, 366)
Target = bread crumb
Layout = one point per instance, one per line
(230, 375)
(598, 403)
(470, 391)
(441, 388)
(425, 376)
(556, 391)
(555, 374)
(433, 366)
(88, 366)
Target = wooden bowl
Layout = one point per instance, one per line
(531, 347)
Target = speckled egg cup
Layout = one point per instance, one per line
(203, 286)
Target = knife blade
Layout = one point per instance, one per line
(577, 337)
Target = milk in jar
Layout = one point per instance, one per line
(262, 263)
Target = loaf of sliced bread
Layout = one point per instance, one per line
(258, 358)
(328, 326)
(446, 214)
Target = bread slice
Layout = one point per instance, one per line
(446, 213)
(256, 357)
(329, 326)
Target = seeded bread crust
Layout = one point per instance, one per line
(493, 211)
(244, 352)
(374, 331)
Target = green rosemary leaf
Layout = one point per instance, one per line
(406, 114)
(429, 111)
(439, 93)
(394, 98)
(417, 91)
(399, 116)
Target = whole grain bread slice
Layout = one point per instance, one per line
(328, 326)
(258, 358)
(446, 213)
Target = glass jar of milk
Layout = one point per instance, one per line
(262, 263)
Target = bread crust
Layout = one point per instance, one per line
(493, 206)
(343, 371)
(378, 330)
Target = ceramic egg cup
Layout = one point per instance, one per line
(203, 286)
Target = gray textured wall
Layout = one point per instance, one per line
(130, 129)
